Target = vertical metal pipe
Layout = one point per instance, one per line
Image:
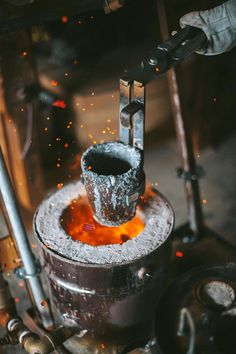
(184, 140)
(22, 243)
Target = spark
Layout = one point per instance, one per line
(204, 201)
(66, 145)
(45, 129)
(54, 83)
(179, 254)
(64, 19)
(59, 185)
(24, 53)
(59, 103)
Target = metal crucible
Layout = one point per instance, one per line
(114, 180)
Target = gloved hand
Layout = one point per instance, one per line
(219, 25)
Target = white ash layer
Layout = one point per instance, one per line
(158, 217)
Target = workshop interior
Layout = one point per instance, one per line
(117, 180)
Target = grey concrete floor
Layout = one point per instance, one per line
(218, 189)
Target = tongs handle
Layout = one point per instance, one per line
(187, 41)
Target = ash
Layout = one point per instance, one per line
(158, 217)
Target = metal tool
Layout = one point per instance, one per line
(133, 101)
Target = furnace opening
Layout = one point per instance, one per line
(78, 222)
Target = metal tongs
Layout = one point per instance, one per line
(133, 84)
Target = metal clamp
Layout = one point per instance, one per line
(20, 272)
(189, 175)
(132, 113)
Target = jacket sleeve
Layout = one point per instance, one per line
(219, 25)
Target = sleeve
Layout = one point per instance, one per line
(219, 25)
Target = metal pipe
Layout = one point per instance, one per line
(31, 342)
(23, 245)
(187, 158)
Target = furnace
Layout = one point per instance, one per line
(109, 291)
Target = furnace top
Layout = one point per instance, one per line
(158, 217)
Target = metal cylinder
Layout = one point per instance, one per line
(110, 292)
(114, 180)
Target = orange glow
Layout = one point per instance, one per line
(24, 53)
(59, 103)
(179, 254)
(54, 83)
(64, 19)
(78, 222)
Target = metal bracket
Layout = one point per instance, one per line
(189, 175)
(20, 272)
(132, 112)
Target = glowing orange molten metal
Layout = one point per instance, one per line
(78, 222)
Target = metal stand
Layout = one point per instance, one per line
(194, 244)
(31, 273)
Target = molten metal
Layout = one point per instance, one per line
(77, 220)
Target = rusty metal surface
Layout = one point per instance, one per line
(9, 258)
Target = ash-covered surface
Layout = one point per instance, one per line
(159, 220)
(113, 174)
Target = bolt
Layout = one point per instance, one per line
(153, 61)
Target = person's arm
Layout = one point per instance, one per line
(219, 25)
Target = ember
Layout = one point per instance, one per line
(78, 222)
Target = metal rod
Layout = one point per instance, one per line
(23, 245)
(187, 158)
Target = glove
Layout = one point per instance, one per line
(219, 25)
